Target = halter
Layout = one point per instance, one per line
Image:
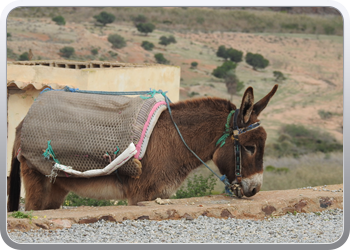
(237, 146)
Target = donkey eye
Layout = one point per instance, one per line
(250, 149)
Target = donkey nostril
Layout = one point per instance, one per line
(253, 191)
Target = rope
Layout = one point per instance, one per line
(49, 153)
(226, 134)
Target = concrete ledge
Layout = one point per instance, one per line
(263, 205)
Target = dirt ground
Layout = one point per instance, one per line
(261, 206)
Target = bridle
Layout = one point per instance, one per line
(236, 185)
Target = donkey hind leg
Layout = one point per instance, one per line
(40, 192)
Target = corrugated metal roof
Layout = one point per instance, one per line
(80, 65)
(12, 84)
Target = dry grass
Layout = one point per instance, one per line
(201, 19)
(308, 170)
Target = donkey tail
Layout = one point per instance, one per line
(14, 186)
(14, 180)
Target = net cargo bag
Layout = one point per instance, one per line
(69, 134)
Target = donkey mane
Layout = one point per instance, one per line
(215, 102)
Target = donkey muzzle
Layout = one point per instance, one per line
(237, 190)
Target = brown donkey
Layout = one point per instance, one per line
(167, 161)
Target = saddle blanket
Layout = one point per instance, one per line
(85, 135)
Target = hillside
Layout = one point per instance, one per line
(313, 64)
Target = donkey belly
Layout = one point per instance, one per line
(106, 187)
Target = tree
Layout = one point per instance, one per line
(232, 82)
(221, 71)
(163, 40)
(167, 40)
(279, 77)
(256, 60)
(117, 41)
(147, 45)
(222, 52)
(24, 56)
(194, 65)
(160, 58)
(104, 18)
(139, 19)
(145, 27)
(94, 51)
(59, 20)
(234, 55)
(67, 52)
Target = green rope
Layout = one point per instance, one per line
(49, 153)
(117, 150)
(226, 134)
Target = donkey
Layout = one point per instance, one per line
(167, 162)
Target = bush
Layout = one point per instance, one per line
(24, 57)
(325, 114)
(94, 52)
(73, 199)
(104, 18)
(279, 77)
(67, 52)
(234, 55)
(59, 20)
(298, 140)
(222, 52)
(160, 58)
(147, 45)
(256, 60)
(117, 41)
(196, 187)
(221, 71)
(194, 65)
(139, 19)
(145, 27)
(163, 40)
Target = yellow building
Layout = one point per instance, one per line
(25, 81)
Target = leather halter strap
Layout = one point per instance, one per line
(237, 149)
(237, 131)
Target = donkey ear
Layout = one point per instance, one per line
(247, 105)
(260, 105)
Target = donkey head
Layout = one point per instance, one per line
(240, 158)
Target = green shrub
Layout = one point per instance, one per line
(59, 20)
(11, 54)
(221, 71)
(73, 199)
(67, 52)
(160, 58)
(22, 215)
(256, 60)
(163, 40)
(94, 52)
(117, 41)
(325, 114)
(139, 19)
(147, 45)
(193, 93)
(328, 29)
(222, 52)
(194, 65)
(104, 18)
(145, 27)
(196, 187)
(279, 77)
(24, 56)
(298, 140)
(234, 55)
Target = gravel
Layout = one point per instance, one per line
(319, 227)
